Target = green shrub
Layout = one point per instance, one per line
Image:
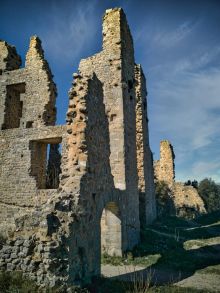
(14, 282)
(210, 193)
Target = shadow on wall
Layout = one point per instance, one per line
(102, 213)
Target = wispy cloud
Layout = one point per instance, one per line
(205, 167)
(187, 101)
(153, 35)
(70, 31)
(188, 107)
(167, 39)
(197, 60)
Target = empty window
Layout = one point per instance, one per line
(29, 124)
(13, 105)
(46, 162)
(130, 85)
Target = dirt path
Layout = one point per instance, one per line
(200, 280)
(207, 278)
(170, 235)
(209, 282)
(131, 273)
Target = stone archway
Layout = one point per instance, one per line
(111, 230)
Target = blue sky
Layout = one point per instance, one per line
(178, 45)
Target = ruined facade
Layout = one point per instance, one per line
(186, 199)
(71, 192)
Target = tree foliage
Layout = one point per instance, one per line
(210, 193)
(193, 183)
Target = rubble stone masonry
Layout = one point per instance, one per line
(71, 192)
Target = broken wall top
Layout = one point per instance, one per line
(164, 168)
(9, 59)
(27, 95)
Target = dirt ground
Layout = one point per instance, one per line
(202, 280)
(189, 256)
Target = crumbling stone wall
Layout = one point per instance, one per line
(144, 156)
(37, 93)
(186, 200)
(9, 59)
(27, 116)
(57, 227)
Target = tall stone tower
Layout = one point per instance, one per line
(164, 168)
(126, 107)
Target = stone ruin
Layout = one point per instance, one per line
(185, 199)
(71, 192)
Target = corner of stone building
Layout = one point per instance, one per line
(116, 34)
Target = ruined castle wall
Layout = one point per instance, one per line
(56, 236)
(186, 199)
(27, 99)
(144, 155)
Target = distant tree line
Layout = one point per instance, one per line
(193, 183)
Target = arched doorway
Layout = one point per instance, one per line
(111, 234)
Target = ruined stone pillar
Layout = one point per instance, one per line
(165, 168)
